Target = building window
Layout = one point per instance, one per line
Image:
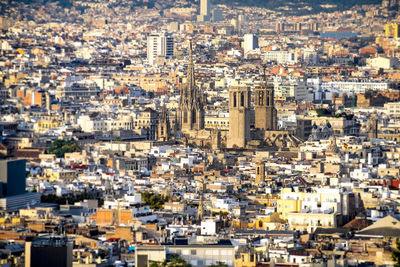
(234, 100)
(185, 117)
(193, 116)
(242, 99)
(193, 252)
(261, 98)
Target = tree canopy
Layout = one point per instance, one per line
(322, 112)
(174, 262)
(60, 147)
(275, 218)
(396, 254)
(219, 264)
(155, 201)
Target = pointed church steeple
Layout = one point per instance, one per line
(191, 104)
(164, 129)
(191, 83)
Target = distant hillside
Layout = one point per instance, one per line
(296, 5)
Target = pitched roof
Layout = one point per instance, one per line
(357, 224)
(388, 226)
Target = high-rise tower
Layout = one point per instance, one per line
(205, 11)
(160, 45)
(250, 42)
(205, 7)
(239, 116)
(265, 111)
(192, 101)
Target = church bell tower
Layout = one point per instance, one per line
(265, 111)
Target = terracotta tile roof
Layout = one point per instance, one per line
(357, 224)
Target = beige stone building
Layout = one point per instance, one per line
(310, 221)
(239, 117)
(265, 112)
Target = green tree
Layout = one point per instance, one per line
(178, 262)
(174, 262)
(155, 201)
(117, 139)
(322, 112)
(219, 264)
(158, 264)
(275, 218)
(60, 147)
(396, 254)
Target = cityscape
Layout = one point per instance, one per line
(196, 133)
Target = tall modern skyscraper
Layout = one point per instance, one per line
(250, 42)
(205, 10)
(205, 7)
(160, 45)
(48, 251)
(217, 15)
(12, 186)
(12, 177)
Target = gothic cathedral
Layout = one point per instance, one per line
(192, 102)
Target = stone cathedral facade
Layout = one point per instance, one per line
(192, 102)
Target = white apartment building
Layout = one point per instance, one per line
(145, 121)
(225, 203)
(90, 124)
(292, 87)
(160, 45)
(250, 43)
(322, 208)
(392, 108)
(280, 57)
(310, 56)
(356, 87)
(383, 63)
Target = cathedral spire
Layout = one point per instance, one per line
(190, 72)
(191, 103)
